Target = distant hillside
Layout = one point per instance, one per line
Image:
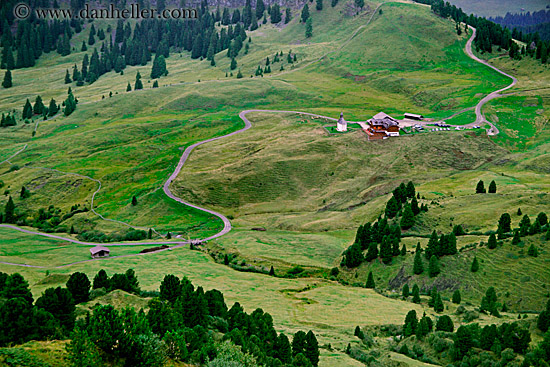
(538, 21)
(493, 8)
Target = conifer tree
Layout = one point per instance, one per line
(83, 48)
(516, 239)
(438, 304)
(457, 298)
(312, 349)
(533, 251)
(414, 206)
(272, 271)
(403, 250)
(370, 281)
(392, 207)
(475, 265)
(27, 110)
(305, 13)
(53, 108)
(7, 83)
(492, 187)
(386, 250)
(444, 323)
(416, 294)
(159, 67)
(38, 107)
(519, 212)
(524, 225)
(288, 15)
(433, 267)
(407, 221)
(128, 87)
(418, 267)
(433, 245)
(405, 291)
(239, 74)
(9, 211)
(372, 252)
(480, 188)
(492, 243)
(319, 5)
(67, 77)
(309, 28)
(411, 324)
(155, 84)
(134, 201)
(138, 84)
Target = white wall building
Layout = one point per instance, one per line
(341, 125)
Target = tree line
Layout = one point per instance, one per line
(181, 324)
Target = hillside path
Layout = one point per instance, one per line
(166, 187)
(480, 118)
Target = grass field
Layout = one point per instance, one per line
(308, 189)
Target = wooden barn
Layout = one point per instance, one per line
(382, 126)
(99, 251)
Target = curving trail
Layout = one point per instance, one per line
(14, 154)
(480, 118)
(166, 187)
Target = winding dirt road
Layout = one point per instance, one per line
(480, 118)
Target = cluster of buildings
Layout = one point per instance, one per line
(380, 126)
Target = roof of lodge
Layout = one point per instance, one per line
(382, 119)
(96, 249)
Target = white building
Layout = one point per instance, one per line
(341, 125)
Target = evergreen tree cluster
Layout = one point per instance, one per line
(52, 315)
(441, 246)
(32, 38)
(414, 326)
(126, 281)
(184, 323)
(8, 120)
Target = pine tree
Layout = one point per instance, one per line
(492, 243)
(239, 74)
(311, 350)
(24, 193)
(418, 267)
(386, 250)
(457, 298)
(309, 27)
(411, 324)
(155, 84)
(38, 107)
(504, 223)
(480, 188)
(233, 65)
(433, 246)
(159, 67)
(83, 48)
(444, 323)
(138, 84)
(7, 83)
(433, 267)
(9, 211)
(414, 206)
(475, 265)
(67, 77)
(519, 212)
(372, 252)
(492, 187)
(150, 234)
(288, 15)
(405, 292)
(128, 87)
(416, 294)
(27, 110)
(370, 281)
(272, 271)
(403, 250)
(319, 5)
(53, 108)
(305, 13)
(438, 305)
(407, 221)
(134, 201)
(524, 225)
(392, 207)
(533, 251)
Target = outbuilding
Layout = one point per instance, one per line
(99, 251)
